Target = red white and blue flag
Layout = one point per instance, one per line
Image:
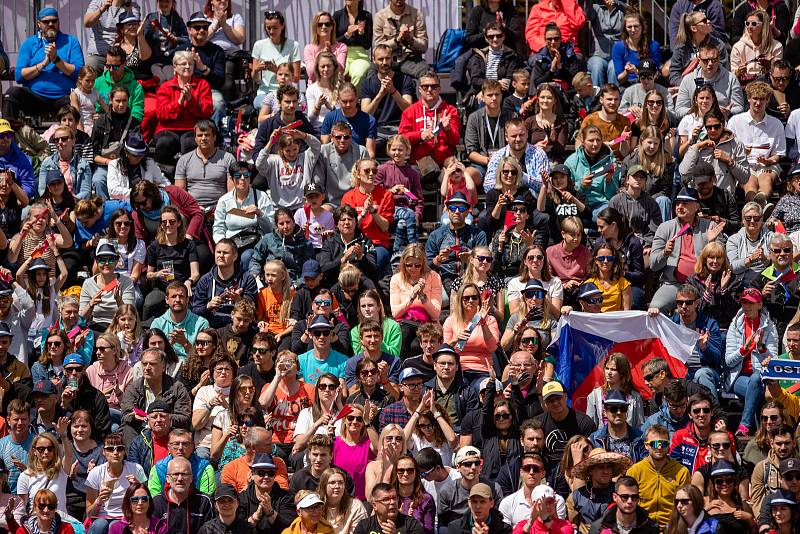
(584, 340)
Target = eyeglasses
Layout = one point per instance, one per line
(56, 344)
(180, 444)
(45, 448)
(697, 411)
(223, 370)
(781, 78)
(341, 137)
(783, 250)
(62, 138)
(683, 502)
(139, 499)
(723, 481)
(531, 469)
(355, 419)
(429, 86)
(248, 389)
(716, 126)
(326, 302)
(722, 446)
(370, 171)
(470, 463)
(529, 341)
(457, 208)
(657, 443)
(7, 135)
(509, 172)
(535, 257)
(414, 385)
(113, 68)
(42, 506)
(616, 409)
(321, 333)
(753, 23)
(681, 303)
(369, 372)
(179, 475)
(628, 497)
(605, 259)
(469, 298)
(709, 60)
(484, 259)
(702, 21)
(327, 387)
(654, 102)
(752, 218)
(324, 24)
(425, 426)
(106, 261)
(534, 294)
(122, 223)
(503, 416)
(169, 222)
(114, 448)
(495, 36)
(405, 470)
(770, 418)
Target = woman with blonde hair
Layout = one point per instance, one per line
(715, 283)
(356, 445)
(479, 272)
(110, 374)
(475, 347)
(415, 293)
(576, 450)
(274, 302)
(391, 445)
(753, 53)
(616, 375)
(323, 39)
(694, 30)
(342, 511)
(321, 95)
(48, 466)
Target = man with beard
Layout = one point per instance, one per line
(118, 73)
(533, 159)
(627, 516)
(47, 69)
(765, 475)
(385, 92)
(560, 422)
(179, 323)
(532, 440)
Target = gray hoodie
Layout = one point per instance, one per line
(606, 27)
(728, 177)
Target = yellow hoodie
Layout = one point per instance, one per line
(657, 489)
(323, 527)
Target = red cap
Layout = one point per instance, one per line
(751, 294)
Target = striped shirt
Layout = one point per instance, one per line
(492, 62)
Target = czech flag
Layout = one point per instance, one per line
(584, 340)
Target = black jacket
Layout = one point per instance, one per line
(464, 524)
(91, 400)
(608, 523)
(466, 399)
(216, 526)
(330, 257)
(479, 17)
(184, 518)
(722, 203)
(211, 285)
(475, 70)
(571, 64)
(282, 503)
(109, 128)
(213, 56)
(340, 342)
(404, 524)
(492, 459)
(172, 392)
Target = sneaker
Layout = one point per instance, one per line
(768, 209)
(742, 430)
(760, 198)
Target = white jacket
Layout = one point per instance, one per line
(735, 339)
(228, 225)
(119, 187)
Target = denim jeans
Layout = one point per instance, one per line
(665, 204)
(705, 376)
(750, 389)
(602, 71)
(406, 228)
(100, 181)
(100, 526)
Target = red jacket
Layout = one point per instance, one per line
(569, 16)
(383, 202)
(416, 117)
(190, 210)
(174, 116)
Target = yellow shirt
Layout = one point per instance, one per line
(612, 295)
(657, 489)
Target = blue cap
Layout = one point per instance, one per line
(135, 145)
(5, 331)
(445, 348)
(588, 290)
(311, 269)
(615, 396)
(128, 16)
(47, 12)
(320, 322)
(410, 372)
(263, 460)
(44, 387)
(782, 496)
(457, 198)
(722, 467)
(53, 175)
(38, 265)
(73, 359)
(687, 194)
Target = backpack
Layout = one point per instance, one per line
(449, 49)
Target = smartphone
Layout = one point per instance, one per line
(140, 413)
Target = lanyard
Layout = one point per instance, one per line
(492, 135)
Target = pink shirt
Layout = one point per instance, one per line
(400, 292)
(477, 353)
(311, 51)
(354, 460)
(686, 259)
(568, 265)
(121, 377)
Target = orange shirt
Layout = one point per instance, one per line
(285, 409)
(268, 309)
(237, 472)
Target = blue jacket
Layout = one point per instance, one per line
(664, 418)
(466, 399)
(198, 466)
(83, 234)
(713, 353)
(443, 237)
(600, 438)
(81, 175)
(20, 163)
(141, 450)
(51, 83)
(293, 251)
(211, 285)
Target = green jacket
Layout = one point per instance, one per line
(599, 191)
(392, 338)
(104, 83)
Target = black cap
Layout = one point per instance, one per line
(5, 331)
(788, 465)
(45, 387)
(158, 406)
(311, 188)
(687, 194)
(198, 16)
(128, 16)
(647, 66)
(563, 169)
(225, 490)
(457, 198)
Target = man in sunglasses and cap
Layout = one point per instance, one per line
(77, 393)
(617, 435)
(227, 521)
(448, 247)
(263, 503)
(789, 470)
(47, 69)
(590, 298)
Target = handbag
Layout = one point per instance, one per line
(246, 239)
(114, 149)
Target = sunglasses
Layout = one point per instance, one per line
(725, 445)
(628, 497)
(369, 372)
(106, 261)
(122, 223)
(114, 448)
(113, 68)
(73, 370)
(484, 259)
(7, 135)
(605, 259)
(504, 416)
(697, 411)
(753, 23)
(681, 303)
(783, 250)
(322, 302)
(62, 138)
(355, 418)
(752, 218)
(425, 426)
(55, 343)
(781, 78)
(529, 341)
(494, 36)
(203, 343)
(457, 208)
(413, 266)
(45, 506)
(471, 463)
(616, 409)
(429, 86)
(264, 472)
(45, 448)
(519, 210)
(510, 172)
(683, 502)
(139, 499)
(709, 60)
(405, 470)
(260, 350)
(469, 298)
(552, 39)
(791, 477)
(655, 102)
(535, 257)
(324, 24)
(341, 137)
(534, 293)
(723, 481)
(716, 126)
(327, 387)
(248, 389)
(531, 469)
(241, 176)
(770, 418)
(594, 300)
(649, 377)
(169, 222)
(657, 443)
(320, 333)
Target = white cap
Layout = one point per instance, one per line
(542, 492)
(309, 500)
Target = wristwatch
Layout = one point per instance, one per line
(57, 60)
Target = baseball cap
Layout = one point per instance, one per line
(44, 387)
(563, 169)
(135, 144)
(38, 265)
(53, 175)
(782, 496)
(410, 372)
(311, 269)
(552, 388)
(225, 490)
(647, 66)
(263, 460)
(4, 330)
(158, 406)
(312, 188)
(788, 465)
(481, 490)
(533, 283)
(5, 126)
(465, 452)
(633, 169)
(498, 386)
(751, 294)
(312, 499)
(126, 17)
(588, 290)
(73, 359)
(542, 492)
(5, 289)
(687, 194)
(722, 467)
(445, 348)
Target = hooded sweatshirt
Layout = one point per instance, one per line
(20, 163)
(725, 84)
(418, 117)
(728, 176)
(104, 83)
(744, 52)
